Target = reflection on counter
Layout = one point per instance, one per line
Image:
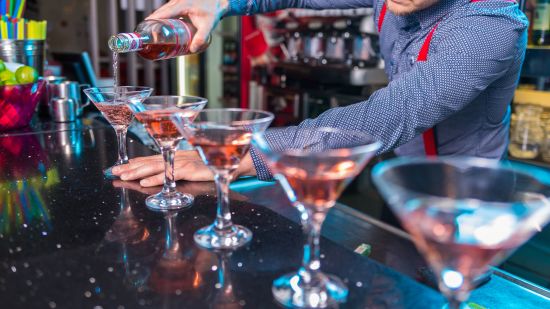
(26, 171)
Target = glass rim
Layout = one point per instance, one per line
(199, 100)
(104, 90)
(268, 116)
(460, 162)
(372, 146)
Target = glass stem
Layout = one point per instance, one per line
(311, 262)
(122, 153)
(223, 215)
(169, 180)
(456, 304)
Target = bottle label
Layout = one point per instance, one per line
(134, 40)
(542, 17)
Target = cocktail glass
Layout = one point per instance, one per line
(222, 138)
(154, 113)
(464, 213)
(112, 102)
(314, 166)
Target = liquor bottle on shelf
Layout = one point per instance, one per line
(541, 23)
(157, 39)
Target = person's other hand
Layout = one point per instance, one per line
(204, 14)
(187, 166)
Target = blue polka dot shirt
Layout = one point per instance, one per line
(464, 89)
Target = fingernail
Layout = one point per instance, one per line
(115, 169)
(124, 176)
(144, 182)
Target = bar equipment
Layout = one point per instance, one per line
(63, 110)
(528, 134)
(70, 90)
(314, 167)
(27, 52)
(154, 113)
(465, 214)
(314, 46)
(222, 137)
(51, 81)
(113, 102)
(336, 47)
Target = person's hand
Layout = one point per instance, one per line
(187, 166)
(204, 14)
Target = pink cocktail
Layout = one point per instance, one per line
(314, 166)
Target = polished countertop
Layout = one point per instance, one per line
(71, 239)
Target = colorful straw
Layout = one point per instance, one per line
(14, 27)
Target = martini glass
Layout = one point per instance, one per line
(465, 213)
(222, 138)
(112, 102)
(314, 166)
(154, 113)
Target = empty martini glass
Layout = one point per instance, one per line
(464, 213)
(112, 102)
(222, 137)
(154, 113)
(314, 166)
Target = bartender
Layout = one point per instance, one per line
(453, 66)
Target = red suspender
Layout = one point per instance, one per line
(382, 16)
(430, 146)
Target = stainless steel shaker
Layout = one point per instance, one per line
(70, 90)
(51, 81)
(63, 110)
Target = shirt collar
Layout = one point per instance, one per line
(428, 17)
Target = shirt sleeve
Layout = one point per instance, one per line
(460, 66)
(248, 7)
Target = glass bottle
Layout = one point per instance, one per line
(541, 23)
(545, 152)
(527, 134)
(156, 39)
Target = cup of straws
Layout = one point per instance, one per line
(21, 40)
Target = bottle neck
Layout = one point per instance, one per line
(126, 42)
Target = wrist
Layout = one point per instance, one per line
(246, 168)
(225, 7)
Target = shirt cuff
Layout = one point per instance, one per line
(262, 170)
(241, 7)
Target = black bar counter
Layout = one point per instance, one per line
(71, 239)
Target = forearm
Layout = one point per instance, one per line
(248, 7)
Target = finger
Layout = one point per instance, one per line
(168, 10)
(153, 181)
(187, 154)
(143, 171)
(148, 158)
(193, 171)
(124, 168)
(204, 25)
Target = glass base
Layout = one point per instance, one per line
(211, 238)
(322, 292)
(108, 173)
(167, 202)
